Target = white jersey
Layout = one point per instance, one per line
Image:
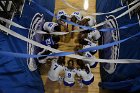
(85, 76)
(90, 44)
(89, 55)
(55, 70)
(49, 26)
(60, 13)
(44, 60)
(69, 75)
(92, 20)
(94, 35)
(77, 14)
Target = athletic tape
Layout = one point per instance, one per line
(50, 13)
(18, 55)
(96, 47)
(64, 1)
(37, 31)
(22, 27)
(81, 57)
(100, 24)
(99, 14)
(21, 55)
(129, 10)
(63, 33)
(120, 28)
(38, 44)
(58, 51)
(121, 15)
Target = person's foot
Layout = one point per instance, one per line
(60, 80)
(81, 85)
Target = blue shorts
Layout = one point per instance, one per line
(94, 65)
(67, 84)
(93, 52)
(88, 82)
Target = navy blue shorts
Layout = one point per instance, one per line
(94, 65)
(67, 84)
(88, 82)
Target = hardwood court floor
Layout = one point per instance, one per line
(55, 87)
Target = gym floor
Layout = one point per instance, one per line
(67, 45)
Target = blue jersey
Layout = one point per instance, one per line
(48, 42)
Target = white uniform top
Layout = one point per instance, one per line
(94, 35)
(44, 60)
(84, 75)
(77, 14)
(90, 44)
(55, 70)
(49, 26)
(60, 13)
(92, 20)
(69, 75)
(89, 55)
